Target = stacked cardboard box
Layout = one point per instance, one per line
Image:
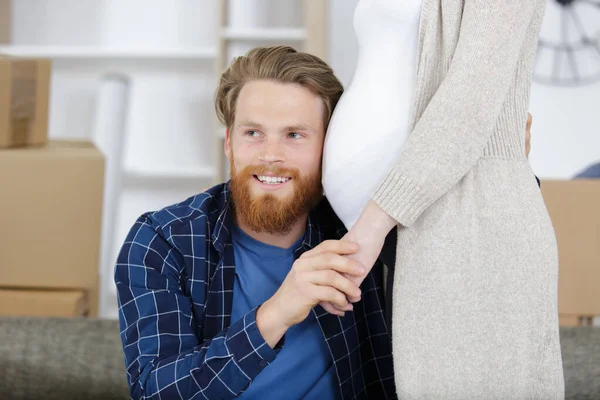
(24, 92)
(50, 203)
(39, 303)
(574, 207)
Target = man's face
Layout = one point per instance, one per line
(274, 149)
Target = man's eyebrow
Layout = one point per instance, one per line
(288, 128)
(252, 124)
(298, 127)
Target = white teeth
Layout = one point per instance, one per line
(272, 180)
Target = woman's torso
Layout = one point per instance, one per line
(371, 121)
(476, 274)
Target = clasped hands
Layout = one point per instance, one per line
(368, 234)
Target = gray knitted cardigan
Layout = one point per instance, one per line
(474, 312)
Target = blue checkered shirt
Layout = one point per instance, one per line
(175, 276)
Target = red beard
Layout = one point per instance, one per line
(267, 213)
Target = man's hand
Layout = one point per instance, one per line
(319, 275)
(528, 134)
(369, 231)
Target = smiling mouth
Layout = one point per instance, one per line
(272, 180)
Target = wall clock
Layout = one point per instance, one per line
(569, 44)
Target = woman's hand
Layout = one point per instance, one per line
(369, 232)
(528, 134)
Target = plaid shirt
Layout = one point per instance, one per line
(175, 276)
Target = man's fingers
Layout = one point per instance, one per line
(343, 247)
(331, 309)
(337, 281)
(347, 307)
(353, 299)
(336, 262)
(329, 294)
(529, 120)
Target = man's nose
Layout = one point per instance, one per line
(272, 151)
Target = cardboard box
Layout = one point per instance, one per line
(43, 303)
(24, 95)
(574, 207)
(51, 214)
(5, 21)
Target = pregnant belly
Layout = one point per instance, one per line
(364, 139)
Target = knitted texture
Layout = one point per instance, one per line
(475, 290)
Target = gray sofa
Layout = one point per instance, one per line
(55, 358)
(50, 358)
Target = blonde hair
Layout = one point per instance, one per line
(281, 64)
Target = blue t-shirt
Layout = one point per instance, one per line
(303, 369)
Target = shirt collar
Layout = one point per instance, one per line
(221, 233)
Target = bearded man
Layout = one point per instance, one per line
(218, 295)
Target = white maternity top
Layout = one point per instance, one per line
(370, 123)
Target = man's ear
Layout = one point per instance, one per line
(227, 145)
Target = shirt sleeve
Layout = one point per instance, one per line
(164, 356)
(459, 120)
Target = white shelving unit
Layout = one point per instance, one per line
(264, 34)
(183, 174)
(311, 37)
(107, 53)
(159, 152)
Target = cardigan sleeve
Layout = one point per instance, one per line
(451, 134)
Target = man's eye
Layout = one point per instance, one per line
(295, 135)
(252, 133)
